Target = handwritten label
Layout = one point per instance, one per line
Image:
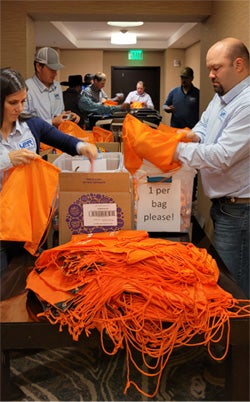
(159, 207)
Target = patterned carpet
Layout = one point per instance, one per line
(70, 374)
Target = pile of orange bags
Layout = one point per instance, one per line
(150, 294)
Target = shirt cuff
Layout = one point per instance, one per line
(79, 145)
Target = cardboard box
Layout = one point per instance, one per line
(52, 157)
(109, 146)
(95, 202)
(164, 200)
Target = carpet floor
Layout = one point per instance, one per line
(70, 374)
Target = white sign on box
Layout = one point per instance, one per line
(159, 206)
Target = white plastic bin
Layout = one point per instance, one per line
(105, 162)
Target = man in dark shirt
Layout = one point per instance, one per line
(72, 95)
(183, 102)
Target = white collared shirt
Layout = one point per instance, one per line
(21, 137)
(223, 155)
(133, 96)
(42, 101)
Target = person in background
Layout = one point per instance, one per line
(183, 102)
(88, 80)
(20, 136)
(220, 151)
(44, 97)
(72, 95)
(96, 91)
(139, 95)
(93, 99)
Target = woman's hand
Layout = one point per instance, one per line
(22, 157)
(89, 150)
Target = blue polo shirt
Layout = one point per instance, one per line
(186, 107)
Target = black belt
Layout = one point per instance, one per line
(232, 200)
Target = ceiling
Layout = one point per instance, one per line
(96, 35)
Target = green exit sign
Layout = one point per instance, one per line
(135, 54)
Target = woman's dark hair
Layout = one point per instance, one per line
(11, 81)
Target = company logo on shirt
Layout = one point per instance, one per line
(223, 114)
(57, 96)
(29, 143)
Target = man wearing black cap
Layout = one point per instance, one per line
(72, 95)
(183, 102)
(44, 96)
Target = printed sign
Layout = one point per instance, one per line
(100, 214)
(159, 206)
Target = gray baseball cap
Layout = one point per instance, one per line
(49, 57)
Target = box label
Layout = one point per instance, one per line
(159, 206)
(100, 214)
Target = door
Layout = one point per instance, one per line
(124, 79)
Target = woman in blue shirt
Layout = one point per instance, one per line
(20, 137)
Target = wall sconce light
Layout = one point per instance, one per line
(123, 38)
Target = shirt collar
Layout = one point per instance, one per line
(41, 86)
(94, 89)
(17, 130)
(236, 90)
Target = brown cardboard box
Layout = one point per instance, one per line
(109, 146)
(94, 202)
(52, 157)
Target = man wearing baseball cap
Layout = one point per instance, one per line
(44, 96)
(183, 104)
(183, 101)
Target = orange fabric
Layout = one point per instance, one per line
(44, 147)
(71, 128)
(109, 102)
(136, 105)
(102, 135)
(145, 293)
(27, 199)
(155, 145)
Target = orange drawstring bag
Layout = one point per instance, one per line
(44, 147)
(136, 105)
(155, 145)
(102, 135)
(27, 202)
(71, 128)
(109, 102)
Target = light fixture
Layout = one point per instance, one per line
(123, 38)
(125, 24)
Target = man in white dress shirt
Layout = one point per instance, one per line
(220, 151)
(139, 95)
